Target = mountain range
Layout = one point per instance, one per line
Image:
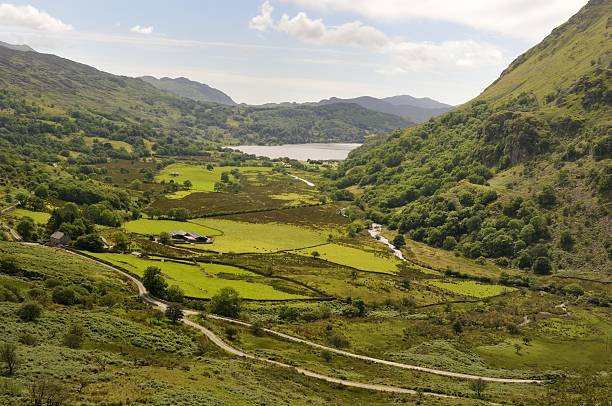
(415, 109)
(190, 89)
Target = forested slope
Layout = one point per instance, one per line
(521, 174)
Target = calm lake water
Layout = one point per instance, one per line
(300, 152)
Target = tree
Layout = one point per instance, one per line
(458, 326)
(90, 242)
(188, 184)
(478, 386)
(26, 228)
(175, 294)
(547, 198)
(517, 348)
(45, 392)
(154, 281)
(9, 356)
(399, 241)
(542, 266)
(360, 306)
(174, 313)
(29, 311)
(226, 303)
(122, 243)
(315, 254)
(164, 238)
(566, 241)
(41, 191)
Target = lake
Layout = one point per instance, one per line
(301, 152)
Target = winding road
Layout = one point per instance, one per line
(151, 300)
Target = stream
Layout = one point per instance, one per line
(375, 231)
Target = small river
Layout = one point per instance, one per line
(301, 152)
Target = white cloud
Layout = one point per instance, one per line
(526, 19)
(406, 55)
(30, 17)
(142, 30)
(263, 20)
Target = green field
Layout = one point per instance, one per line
(202, 179)
(38, 216)
(365, 259)
(470, 288)
(89, 141)
(252, 237)
(202, 281)
(154, 227)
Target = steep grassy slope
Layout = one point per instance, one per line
(522, 173)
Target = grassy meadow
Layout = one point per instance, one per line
(39, 217)
(155, 227)
(204, 280)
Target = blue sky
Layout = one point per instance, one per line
(294, 50)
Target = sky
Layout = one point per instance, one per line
(261, 51)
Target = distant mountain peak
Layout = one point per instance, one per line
(190, 89)
(14, 47)
(415, 109)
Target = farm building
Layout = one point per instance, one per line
(59, 238)
(191, 237)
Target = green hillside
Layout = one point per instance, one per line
(522, 174)
(51, 101)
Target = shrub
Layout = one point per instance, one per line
(75, 336)
(29, 311)
(288, 313)
(28, 339)
(231, 332)
(338, 340)
(64, 295)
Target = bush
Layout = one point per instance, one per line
(29, 311)
(28, 339)
(288, 313)
(64, 296)
(75, 336)
(338, 340)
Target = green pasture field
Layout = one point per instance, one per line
(154, 227)
(470, 288)
(116, 144)
(202, 281)
(241, 236)
(202, 179)
(338, 280)
(364, 259)
(39, 217)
